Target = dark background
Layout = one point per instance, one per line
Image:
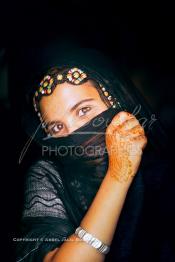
(139, 37)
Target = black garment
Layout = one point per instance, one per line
(57, 196)
(144, 230)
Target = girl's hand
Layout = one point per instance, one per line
(125, 141)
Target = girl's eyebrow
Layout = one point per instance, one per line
(80, 102)
(71, 110)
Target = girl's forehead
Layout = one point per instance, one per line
(67, 89)
(66, 96)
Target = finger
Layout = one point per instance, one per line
(137, 130)
(141, 141)
(131, 133)
(118, 120)
(128, 124)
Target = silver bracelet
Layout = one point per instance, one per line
(91, 240)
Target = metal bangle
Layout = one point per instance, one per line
(91, 240)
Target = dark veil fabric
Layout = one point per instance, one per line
(103, 70)
(59, 190)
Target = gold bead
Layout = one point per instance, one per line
(47, 77)
(69, 76)
(83, 75)
(76, 75)
(106, 93)
(59, 77)
(45, 84)
(49, 91)
(76, 82)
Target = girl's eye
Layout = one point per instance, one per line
(83, 111)
(56, 128)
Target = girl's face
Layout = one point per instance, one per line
(69, 107)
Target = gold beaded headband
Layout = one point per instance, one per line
(74, 76)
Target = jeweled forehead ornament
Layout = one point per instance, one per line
(74, 76)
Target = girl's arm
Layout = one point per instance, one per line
(125, 141)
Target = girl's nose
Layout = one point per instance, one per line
(71, 125)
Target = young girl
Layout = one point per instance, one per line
(84, 195)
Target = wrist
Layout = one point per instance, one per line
(119, 177)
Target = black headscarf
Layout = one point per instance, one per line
(82, 175)
(104, 71)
